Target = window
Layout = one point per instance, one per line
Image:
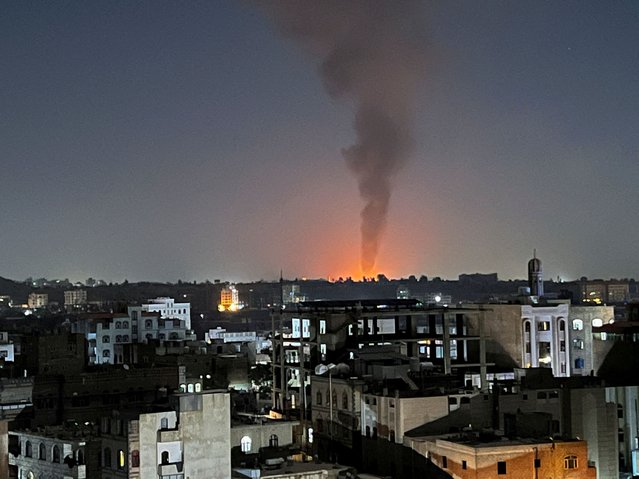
(165, 457)
(322, 326)
(562, 325)
(444, 462)
(537, 463)
(135, 458)
(28, 449)
(125, 338)
(118, 339)
(245, 444)
(570, 462)
(121, 459)
(164, 423)
(106, 354)
(543, 326)
(106, 339)
(579, 363)
(125, 324)
(501, 467)
(148, 324)
(318, 398)
(334, 398)
(577, 325)
(464, 465)
(273, 441)
(107, 457)
(118, 325)
(541, 395)
(527, 326)
(344, 400)
(55, 453)
(42, 452)
(597, 323)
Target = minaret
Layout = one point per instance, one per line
(535, 276)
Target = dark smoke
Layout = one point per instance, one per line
(371, 52)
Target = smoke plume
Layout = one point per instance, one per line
(371, 53)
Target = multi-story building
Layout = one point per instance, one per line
(38, 300)
(167, 308)
(337, 331)
(75, 297)
(555, 335)
(467, 456)
(229, 299)
(68, 452)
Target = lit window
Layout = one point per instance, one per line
(577, 324)
(570, 462)
(597, 323)
(543, 326)
(322, 327)
(245, 444)
(121, 459)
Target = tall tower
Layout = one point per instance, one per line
(535, 276)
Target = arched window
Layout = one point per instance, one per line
(527, 326)
(28, 449)
(106, 353)
(118, 325)
(344, 400)
(164, 423)
(392, 436)
(562, 325)
(165, 457)
(245, 444)
(570, 462)
(125, 338)
(42, 452)
(135, 458)
(273, 441)
(107, 457)
(106, 339)
(577, 325)
(80, 456)
(318, 398)
(148, 324)
(597, 323)
(334, 398)
(118, 339)
(121, 459)
(55, 453)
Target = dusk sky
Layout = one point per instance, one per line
(156, 140)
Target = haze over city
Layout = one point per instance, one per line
(156, 141)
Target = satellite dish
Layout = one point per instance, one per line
(320, 369)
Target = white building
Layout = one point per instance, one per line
(169, 309)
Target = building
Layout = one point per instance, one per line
(193, 440)
(467, 456)
(75, 297)
(229, 299)
(338, 331)
(68, 452)
(38, 300)
(535, 277)
(167, 308)
(554, 335)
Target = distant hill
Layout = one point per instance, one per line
(18, 291)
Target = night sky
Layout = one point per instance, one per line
(193, 140)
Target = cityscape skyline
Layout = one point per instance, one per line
(153, 142)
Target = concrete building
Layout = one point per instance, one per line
(55, 452)
(467, 456)
(7, 348)
(167, 308)
(75, 298)
(626, 399)
(38, 300)
(555, 335)
(193, 441)
(229, 299)
(339, 331)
